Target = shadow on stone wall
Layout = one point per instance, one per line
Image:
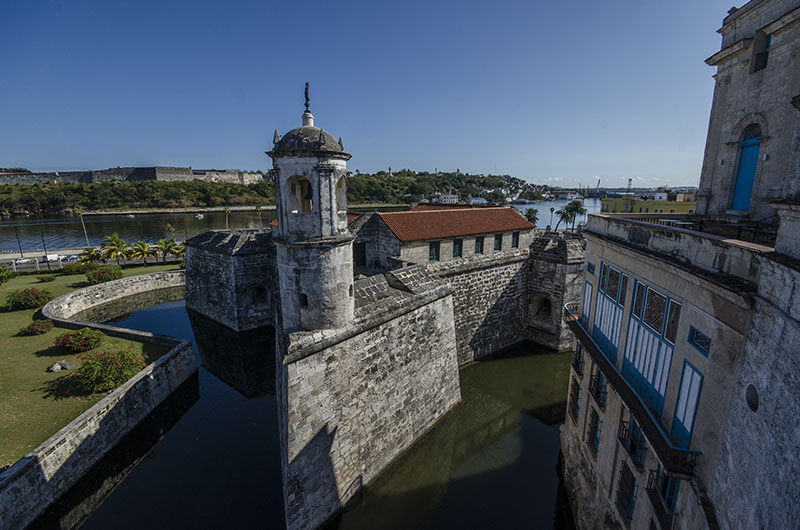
(244, 360)
(89, 492)
(310, 483)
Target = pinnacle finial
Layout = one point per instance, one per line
(340, 143)
(307, 97)
(276, 138)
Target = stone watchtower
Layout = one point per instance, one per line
(313, 244)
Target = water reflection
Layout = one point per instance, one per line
(490, 463)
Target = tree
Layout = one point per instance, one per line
(170, 230)
(4, 275)
(551, 215)
(90, 255)
(141, 250)
(180, 250)
(79, 212)
(165, 246)
(227, 211)
(563, 214)
(532, 215)
(575, 209)
(115, 248)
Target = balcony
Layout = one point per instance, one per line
(675, 460)
(598, 392)
(634, 445)
(663, 514)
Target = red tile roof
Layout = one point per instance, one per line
(426, 206)
(443, 223)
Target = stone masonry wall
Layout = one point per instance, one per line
(489, 300)
(351, 408)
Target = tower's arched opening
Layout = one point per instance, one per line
(341, 195)
(301, 197)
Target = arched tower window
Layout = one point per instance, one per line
(341, 195)
(301, 197)
(746, 172)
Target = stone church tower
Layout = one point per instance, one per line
(313, 244)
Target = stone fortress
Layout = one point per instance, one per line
(131, 174)
(366, 365)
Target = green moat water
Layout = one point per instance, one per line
(490, 463)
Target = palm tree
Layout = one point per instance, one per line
(552, 209)
(259, 210)
(180, 250)
(576, 208)
(141, 250)
(227, 211)
(563, 214)
(90, 255)
(532, 215)
(171, 231)
(165, 246)
(115, 248)
(79, 212)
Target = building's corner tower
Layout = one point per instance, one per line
(314, 246)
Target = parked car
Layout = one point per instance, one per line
(20, 261)
(73, 257)
(52, 257)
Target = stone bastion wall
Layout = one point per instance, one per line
(38, 479)
(352, 399)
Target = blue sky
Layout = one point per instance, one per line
(552, 92)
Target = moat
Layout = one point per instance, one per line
(218, 465)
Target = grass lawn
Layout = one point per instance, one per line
(33, 405)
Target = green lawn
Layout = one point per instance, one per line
(33, 404)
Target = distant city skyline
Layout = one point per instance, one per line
(553, 94)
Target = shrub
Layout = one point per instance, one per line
(104, 370)
(30, 298)
(104, 274)
(45, 279)
(38, 327)
(80, 340)
(79, 268)
(5, 275)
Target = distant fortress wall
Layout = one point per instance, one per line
(130, 174)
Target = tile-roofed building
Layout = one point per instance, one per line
(435, 233)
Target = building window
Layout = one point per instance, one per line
(498, 242)
(595, 426)
(577, 359)
(746, 171)
(597, 388)
(303, 300)
(686, 407)
(673, 317)
(654, 309)
(575, 400)
(515, 240)
(761, 43)
(479, 245)
(458, 248)
(633, 440)
(590, 267)
(672, 210)
(699, 340)
(626, 495)
(433, 251)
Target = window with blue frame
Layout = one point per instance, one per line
(611, 292)
(595, 427)
(458, 247)
(686, 407)
(626, 495)
(597, 388)
(433, 251)
(667, 488)
(633, 440)
(699, 340)
(590, 267)
(575, 399)
(577, 359)
(652, 330)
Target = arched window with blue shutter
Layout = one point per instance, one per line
(746, 172)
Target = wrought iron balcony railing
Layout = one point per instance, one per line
(675, 460)
(634, 446)
(598, 392)
(663, 514)
(577, 364)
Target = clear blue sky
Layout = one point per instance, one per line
(541, 90)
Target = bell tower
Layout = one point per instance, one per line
(314, 246)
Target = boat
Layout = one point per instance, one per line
(198, 216)
(130, 216)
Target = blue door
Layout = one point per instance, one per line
(745, 175)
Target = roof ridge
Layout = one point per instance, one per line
(449, 210)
